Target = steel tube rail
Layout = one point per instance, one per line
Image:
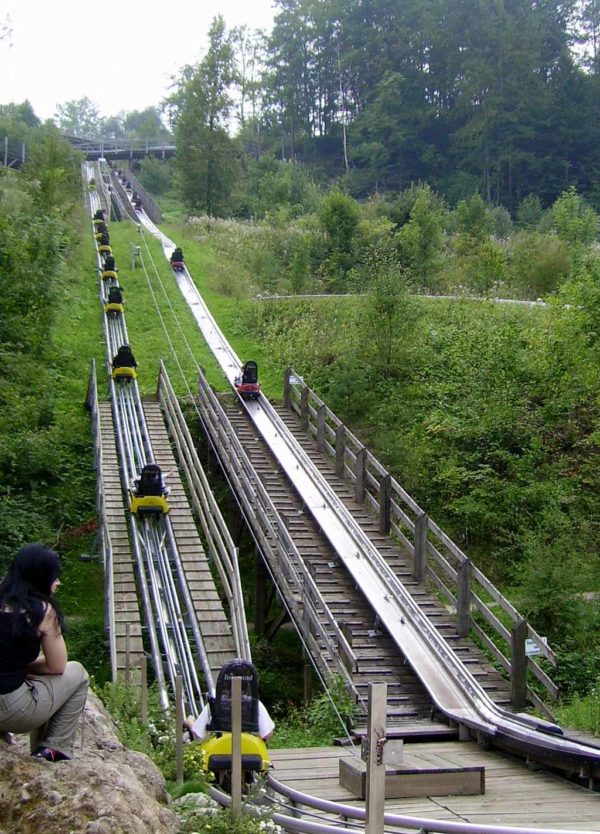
(142, 580)
(181, 655)
(221, 546)
(189, 604)
(162, 580)
(425, 824)
(125, 449)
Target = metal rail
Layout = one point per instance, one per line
(221, 547)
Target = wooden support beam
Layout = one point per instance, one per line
(304, 408)
(375, 787)
(260, 597)
(287, 395)
(420, 548)
(321, 414)
(360, 473)
(518, 664)
(463, 598)
(236, 747)
(385, 488)
(340, 450)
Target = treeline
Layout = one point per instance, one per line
(501, 99)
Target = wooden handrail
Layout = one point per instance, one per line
(378, 490)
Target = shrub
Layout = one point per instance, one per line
(538, 263)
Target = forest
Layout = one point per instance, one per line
(498, 98)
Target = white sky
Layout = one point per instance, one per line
(118, 53)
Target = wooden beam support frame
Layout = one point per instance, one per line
(463, 598)
(518, 665)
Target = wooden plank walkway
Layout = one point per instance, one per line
(125, 593)
(378, 657)
(515, 794)
(212, 621)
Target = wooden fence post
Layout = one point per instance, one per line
(307, 677)
(463, 598)
(359, 472)
(321, 414)
(420, 548)
(340, 450)
(304, 408)
(518, 664)
(287, 386)
(385, 499)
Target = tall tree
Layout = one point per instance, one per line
(79, 117)
(203, 103)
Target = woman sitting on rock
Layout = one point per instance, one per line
(40, 693)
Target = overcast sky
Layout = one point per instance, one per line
(118, 53)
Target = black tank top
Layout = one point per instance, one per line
(18, 648)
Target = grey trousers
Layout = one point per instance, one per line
(48, 707)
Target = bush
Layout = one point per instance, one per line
(538, 263)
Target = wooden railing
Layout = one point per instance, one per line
(104, 542)
(322, 636)
(436, 558)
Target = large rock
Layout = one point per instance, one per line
(105, 789)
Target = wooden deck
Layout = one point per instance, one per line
(514, 794)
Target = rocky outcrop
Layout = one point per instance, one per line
(106, 789)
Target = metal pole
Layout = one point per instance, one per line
(179, 727)
(375, 788)
(236, 747)
(5, 151)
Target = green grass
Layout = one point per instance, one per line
(231, 314)
(582, 713)
(160, 324)
(76, 339)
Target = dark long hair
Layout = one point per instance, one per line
(28, 582)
